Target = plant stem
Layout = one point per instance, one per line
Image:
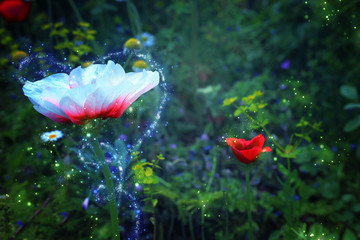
(249, 202)
(171, 223)
(61, 162)
(134, 18)
(49, 2)
(202, 223)
(266, 131)
(288, 165)
(290, 197)
(211, 175)
(154, 235)
(191, 227)
(227, 217)
(128, 60)
(194, 43)
(76, 11)
(110, 187)
(207, 190)
(154, 216)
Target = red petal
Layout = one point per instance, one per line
(257, 141)
(251, 155)
(121, 104)
(73, 110)
(235, 143)
(266, 149)
(247, 156)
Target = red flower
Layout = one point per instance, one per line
(14, 10)
(248, 151)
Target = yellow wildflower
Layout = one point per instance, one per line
(18, 55)
(139, 65)
(86, 64)
(133, 43)
(229, 101)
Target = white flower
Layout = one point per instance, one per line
(146, 39)
(52, 136)
(98, 91)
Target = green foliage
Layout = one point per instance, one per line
(351, 93)
(249, 104)
(213, 54)
(143, 170)
(76, 46)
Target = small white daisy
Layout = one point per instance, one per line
(146, 39)
(52, 136)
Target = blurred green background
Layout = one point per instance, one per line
(303, 56)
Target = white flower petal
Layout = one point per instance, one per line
(135, 85)
(53, 116)
(142, 82)
(53, 95)
(73, 110)
(98, 103)
(102, 74)
(34, 89)
(98, 91)
(80, 94)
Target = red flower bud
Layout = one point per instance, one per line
(248, 151)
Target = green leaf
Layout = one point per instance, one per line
(283, 169)
(287, 154)
(148, 172)
(351, 106)
(302, 123)
(160, 157)
(154, 202)
(253, 107)
(352, 124)
(349, 92)
(263, 123)
(305, 137)
(349, 235)
(239, 111)
(228, 101)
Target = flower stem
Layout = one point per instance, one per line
(100, 158)
(76, 11)
(207, 190)
(135, 23)
(249, 202)
(202, 223)
(266, 131)
(191, 227)
(194, 42)
(291, 195)
(226, 217)
(128, 59)
(60, 160)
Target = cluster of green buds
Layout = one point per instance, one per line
(7, 43)
(144, 170)
(78, 44)
(250, 103)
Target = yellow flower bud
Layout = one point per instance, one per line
(139, 65)
(18, 55)
(133, 43)
(86, 64)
